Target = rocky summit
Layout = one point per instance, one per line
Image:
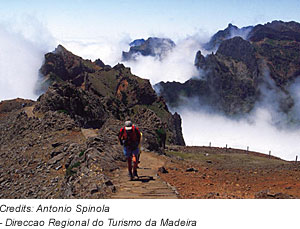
(246, 63)
(64, 145)
(230, 32)
(153, 46)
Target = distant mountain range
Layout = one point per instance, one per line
(246, 62)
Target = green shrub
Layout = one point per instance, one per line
(81, 153)
(70, 171)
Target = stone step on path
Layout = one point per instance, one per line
(148, 186)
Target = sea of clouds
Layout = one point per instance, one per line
(22, 54)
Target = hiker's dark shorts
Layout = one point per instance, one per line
(129, 152)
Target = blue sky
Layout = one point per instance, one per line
(91, 18)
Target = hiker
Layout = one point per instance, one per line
(130, 137)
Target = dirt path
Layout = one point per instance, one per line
(148, 186)
(89, 133)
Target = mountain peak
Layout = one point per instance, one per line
(153, 46)
(231, 26)
(228, 33)
(116, 86)
(61, 50)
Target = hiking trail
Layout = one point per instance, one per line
(89, 133)
(148, 186)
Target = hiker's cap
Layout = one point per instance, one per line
(128, 125)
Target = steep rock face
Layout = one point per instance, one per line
(177, 94)
(231, 79)
(175, 122)
(153, 46)
(240, 50)
(278, 44)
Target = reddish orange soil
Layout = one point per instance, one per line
(254, 175)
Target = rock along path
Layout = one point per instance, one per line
(148, 186)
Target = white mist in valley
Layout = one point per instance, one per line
(202, 128)
(267, 128)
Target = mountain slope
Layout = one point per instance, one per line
(64, 145)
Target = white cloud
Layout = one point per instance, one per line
(177, 65)
(201, 128)
(108, 49)
(20, 60)
(266, 128)
(23, 43)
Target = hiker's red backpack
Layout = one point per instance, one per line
(131, 137)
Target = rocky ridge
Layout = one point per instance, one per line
(231, 79)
